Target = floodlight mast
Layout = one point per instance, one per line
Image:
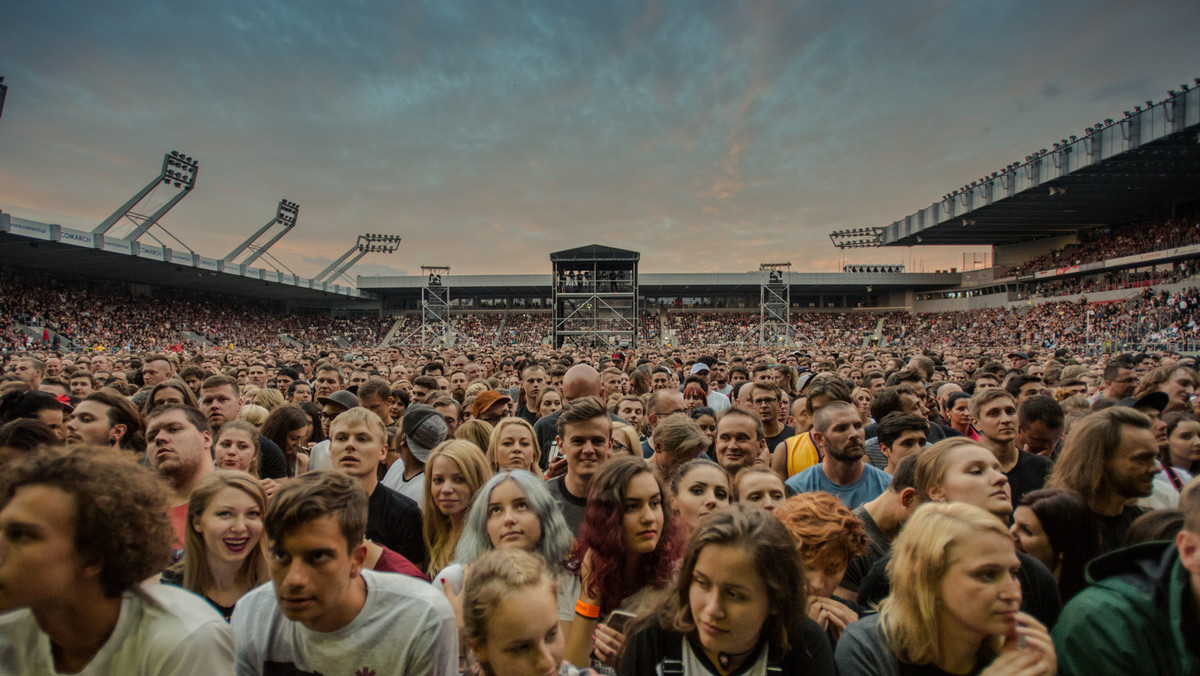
(857, 238)
(369, 243)
(286, 215)
(179, 171)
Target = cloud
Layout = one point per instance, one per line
(707, 135)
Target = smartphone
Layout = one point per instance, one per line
(619, 620)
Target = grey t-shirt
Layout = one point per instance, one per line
(405, 627)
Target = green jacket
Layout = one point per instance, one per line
(1130, 620)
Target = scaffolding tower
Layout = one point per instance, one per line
(774, 305)
(595, 297)
(435, 307)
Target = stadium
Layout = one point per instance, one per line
(1082, 234)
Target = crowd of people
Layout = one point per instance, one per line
(1114, 243)
(998, 506)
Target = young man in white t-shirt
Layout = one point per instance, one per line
(79, 532)
(322, 612)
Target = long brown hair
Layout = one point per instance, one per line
(197, 575)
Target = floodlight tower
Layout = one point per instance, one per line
(285, 214)
(435, 306)
(857, 238)
(365, 244)
(774, 305)
(179, 172)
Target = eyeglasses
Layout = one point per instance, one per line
(765, 401)
(622, 447)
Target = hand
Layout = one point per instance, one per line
(557, 468)
(1028, 651)
(455, 600)
(608, 644)
(269, 487)
(836, 616)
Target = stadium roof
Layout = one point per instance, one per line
(1120, 171)
(29, 245)
(595, 252)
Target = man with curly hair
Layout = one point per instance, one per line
(78, 533)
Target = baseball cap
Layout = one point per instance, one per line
(341, 398)
(486, 400)
(424, 428)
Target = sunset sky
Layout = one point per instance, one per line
(709, 136)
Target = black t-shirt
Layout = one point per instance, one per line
(1039, 591)
(877, 547)
(654, 650)
(394, 521)
(774, 441)
(572, 507)
(1028, 475)
(1112, 528)
(271, 463)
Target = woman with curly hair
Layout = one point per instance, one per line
(224, 553)
(82, 530)
(737, 606)
(625, 557)
(827, 537)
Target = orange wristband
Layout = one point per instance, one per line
(587, 610)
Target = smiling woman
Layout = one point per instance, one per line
(454, 472)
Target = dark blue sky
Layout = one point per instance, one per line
(710, 136)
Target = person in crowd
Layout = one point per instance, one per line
(1155, 525)
(236, 448)
(1055, 526)
(862, 397)
(287, 427)
(509, 618)
(625, 557)
(1040, 424)
(169, 391)
(827, 537)
(220, 401)
(422, 430)
(35, 405)
(1110, 458)
(255, 415)
(900, 435)
(758, 486)
(1178, 383)
(958, 414)
(477, 432)
(179, 442)
(954, 606)
(882, 519)
(677, 440)
(358, 447)
(1138, 616)
(105, 418)
(224, 555)
(456, 470)
(995, 413)
(24, 435)
(1180, 459)
(707, 420)
(514, 511)
(838, 433)
(625, 439)
(323, 612)
(699, 487)
(799, 452)
(736, 606)
(585, 439)
(694, 397)
(960, 470)
(548, 402)
(512, 445)
(80, 532)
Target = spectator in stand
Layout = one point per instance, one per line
(35, 405)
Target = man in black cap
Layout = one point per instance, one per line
(332, 406)
(421, 430)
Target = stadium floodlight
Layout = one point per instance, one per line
(1149, 104)
(178, 171)
(857, 238)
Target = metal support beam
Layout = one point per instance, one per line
(775, 303)
(435, 307)
(369, 243)
(179, 171)
(286, 214)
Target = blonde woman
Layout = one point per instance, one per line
(955, 603)
(454, 472)
(513, 445)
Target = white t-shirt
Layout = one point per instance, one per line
(319, 457)
(161, 630)
(413, 488)
(405, 627)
